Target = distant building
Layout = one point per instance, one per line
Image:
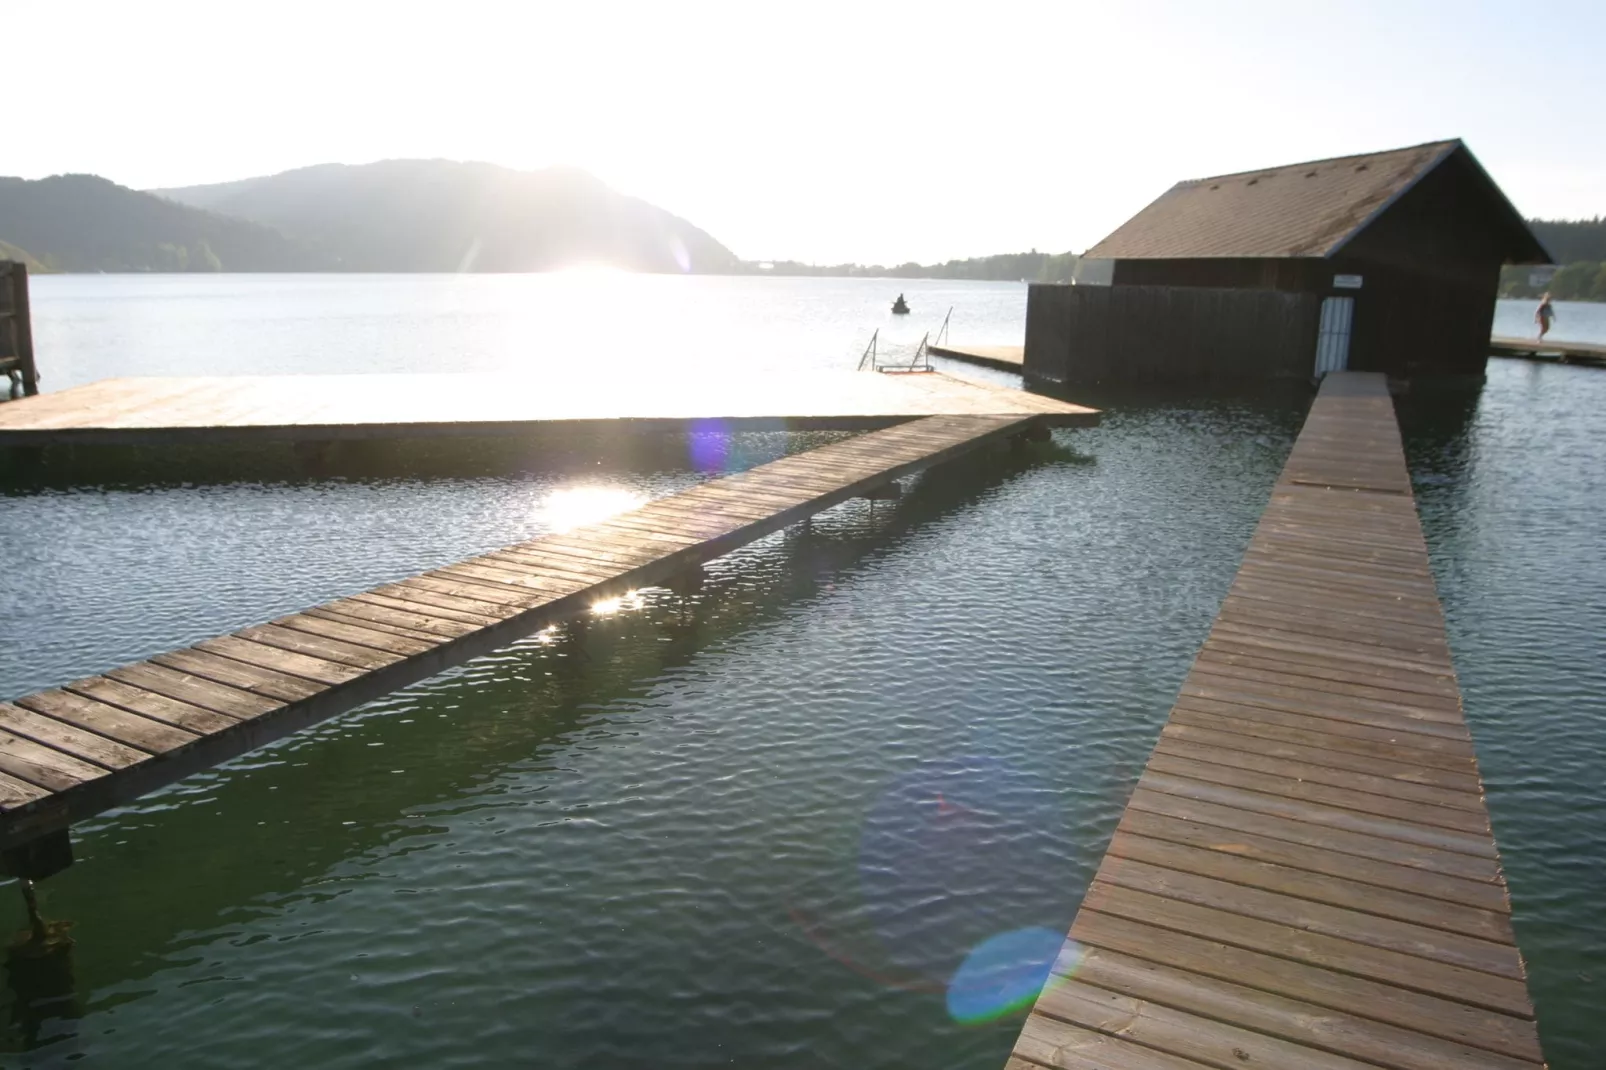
(1384, 262)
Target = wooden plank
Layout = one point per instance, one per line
(156, 706)
(430, 639)
(317, 646)
(1394, 780)
(87, 746)
(358, 633)
(1285, 906)
(1399, 970)
(238, 674)
(1310, 739)
(1285, 798)
(1221, 812)
(195, 690)
(1328, 860)
(1332, 889)
(1174, 1032)
(1047, 1041)
(1318, 1026)
(418, 598)
(314, 670)
(118, 725)
(26, 760)
(383, 617)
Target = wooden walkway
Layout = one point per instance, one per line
(1004, 358)
(71, 752)
(343, 407)
(1305, 875)
(1564, 352)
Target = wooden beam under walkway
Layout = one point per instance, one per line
(1305, 875)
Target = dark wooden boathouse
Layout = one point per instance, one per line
(1386, 262)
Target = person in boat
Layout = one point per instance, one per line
(1543, 316)
(900, 305)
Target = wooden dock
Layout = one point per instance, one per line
(74, 751)
(346, 407)
(1003, 358)
(1563, 352)
(1305, 875)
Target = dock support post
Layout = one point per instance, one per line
(19, 328)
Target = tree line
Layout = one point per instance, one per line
(1030, 266)
(1579, 246)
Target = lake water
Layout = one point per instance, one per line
(689, 833)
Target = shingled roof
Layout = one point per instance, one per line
(1297, 210)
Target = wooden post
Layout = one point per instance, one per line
(22, 329)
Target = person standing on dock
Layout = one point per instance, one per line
(1544, 314)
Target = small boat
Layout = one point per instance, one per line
(900, 307)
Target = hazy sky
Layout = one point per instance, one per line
(816, 131)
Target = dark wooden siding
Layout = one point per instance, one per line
(1166, 335)
(1293, 276)
(1430, 265)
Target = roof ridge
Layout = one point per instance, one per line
(1446, 143)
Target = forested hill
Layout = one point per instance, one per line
(1579, 247)
(1005, 267)
(442, 215)
(85, 223)
(1570, 240)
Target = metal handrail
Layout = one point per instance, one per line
(869, 351)
(920, 353)
(942, 332)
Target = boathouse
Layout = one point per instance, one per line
(1385, 262)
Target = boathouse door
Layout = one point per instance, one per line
(1332, 339)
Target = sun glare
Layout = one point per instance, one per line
(630, 600)
(573, 507)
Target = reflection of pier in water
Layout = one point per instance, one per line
(1305, 874)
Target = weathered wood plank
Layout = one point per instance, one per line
(87, 746)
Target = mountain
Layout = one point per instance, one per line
(85, 223)
(442, 215)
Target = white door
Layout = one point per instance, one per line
(1332, 341)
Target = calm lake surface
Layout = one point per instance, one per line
(692, 832)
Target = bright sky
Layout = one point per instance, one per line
(817, 131)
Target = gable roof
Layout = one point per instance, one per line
(1296, 210)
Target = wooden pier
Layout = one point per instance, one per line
(1003, 358)
(1305, 875)
(74, 751)
(312, 408)
(1562, 352)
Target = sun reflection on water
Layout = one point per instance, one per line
(573, 507)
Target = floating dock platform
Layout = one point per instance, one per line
(71, 752)
(1562, 352)
(344, 407)
(1003, 358)
(1305, 875)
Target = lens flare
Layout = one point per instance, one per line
(708, 445)
(1003, 974)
